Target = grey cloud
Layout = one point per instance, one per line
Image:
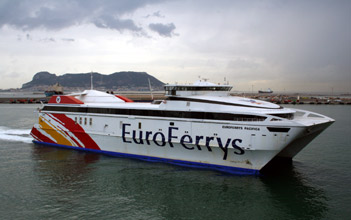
(116, 23)
(155, 14)
(295, 41)
(158, 14)
(51, 14)
(28, 37)
(67, 39)
(48, 40)
(165, 30)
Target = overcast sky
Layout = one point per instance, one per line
(283, 45)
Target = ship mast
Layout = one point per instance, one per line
(152, 95)
(91, 81)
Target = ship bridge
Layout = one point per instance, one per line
(198, 88)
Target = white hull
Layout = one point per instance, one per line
(197, 126)
(242, 148)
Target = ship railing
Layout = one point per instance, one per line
(249, 119)
(303, 114)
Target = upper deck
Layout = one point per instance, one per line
(198, 88)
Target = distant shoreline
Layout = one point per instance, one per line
(279, 98)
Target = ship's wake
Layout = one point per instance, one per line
(17, 135)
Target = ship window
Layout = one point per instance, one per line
(275, 129)
(171, 123)
(157, 113)
(75, 120)
(275, 119)
(91, 121)
(139, 125)
(170, 89)
(85, 121)
(288, 116)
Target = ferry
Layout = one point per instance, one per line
(199, 125)
(265, 91)
(56, 89)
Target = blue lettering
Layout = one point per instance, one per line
(163, 142)
(140, 137)
(170, 135)
(183, 142)
(186, 140)
(225, 148)
(241, 151)
(124, 133)
(148, 133)
(208, 140)
(197, 141)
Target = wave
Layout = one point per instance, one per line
(17, 135)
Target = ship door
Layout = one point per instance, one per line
(253, 139)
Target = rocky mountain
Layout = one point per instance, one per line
(114, 81)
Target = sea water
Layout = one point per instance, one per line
(40, 182)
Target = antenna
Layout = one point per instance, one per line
(91, 80)
(152, 96)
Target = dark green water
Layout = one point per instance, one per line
(38, 182)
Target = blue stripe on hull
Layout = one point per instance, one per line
(225, 169)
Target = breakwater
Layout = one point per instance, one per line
(139, 96)
(300, 99)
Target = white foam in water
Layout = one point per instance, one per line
(18, 135)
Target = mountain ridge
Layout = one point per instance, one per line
(125, 80)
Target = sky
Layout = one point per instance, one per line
(300, 45)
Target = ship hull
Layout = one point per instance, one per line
(311, 132)
(240, 148)
(148, 158)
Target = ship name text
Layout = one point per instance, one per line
(240, 128)
(187, 141)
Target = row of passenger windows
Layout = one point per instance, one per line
(158, 113)
(198, 88)
(80, 120)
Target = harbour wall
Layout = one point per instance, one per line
(159, 95)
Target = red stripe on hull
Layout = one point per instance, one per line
(66, 132)
(78, 131)
(40, 137)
